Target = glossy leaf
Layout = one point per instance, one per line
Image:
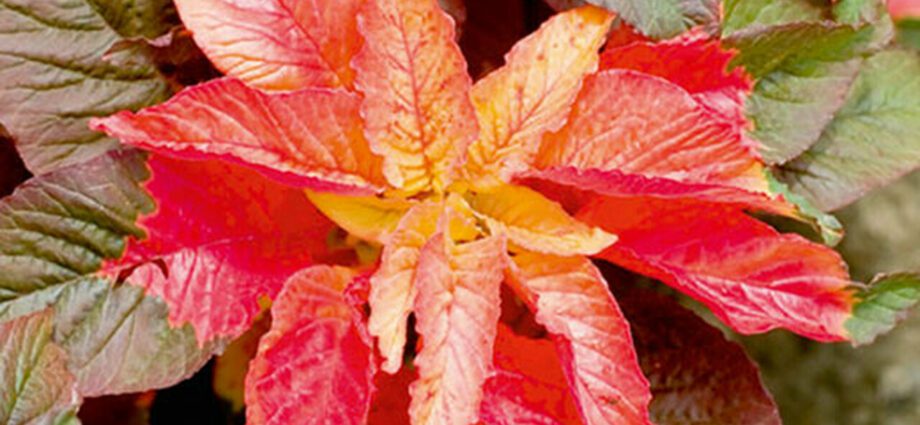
(210, 257)
(528, 387)
(277, 44)
(416, 92)
(35, 385)
(392, 287)
(310, 138)
(871, 140)
(696, 375)
(313, 366)
(517, 103)
(456, 312)
(570, 297)
(752, 277)
(535, 223)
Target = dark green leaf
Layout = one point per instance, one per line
(137, 18)
(35, 385)
(872, 139)
(908, 33)
(658, 19)
(883, 304)
(55, 76)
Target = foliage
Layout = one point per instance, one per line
(425, 237)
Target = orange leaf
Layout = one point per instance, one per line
(393, 292)
(368, 217)
(571, 299)
(535, 223)
(534, 91)
(277, 44)
(416, 104)
(457, 312)
(309, 138)
(639, 124)
(313, 366)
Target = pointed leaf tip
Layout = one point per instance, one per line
(880, 306)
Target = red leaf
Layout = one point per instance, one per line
(416, 92)
(694, 62)
(570, 298)
(277, 44)
(457, 311)
(310, 138)
(528, 387)
(313, 366)
(751, 276)
(221, 237)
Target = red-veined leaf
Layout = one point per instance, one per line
(416, 92)
(751, 276)
(313, 366)
(393, 291)
(457, 311)
(221, 237)
(569, 297)
(277, 44)
(534, 91)
(309, 138)
(528, 387)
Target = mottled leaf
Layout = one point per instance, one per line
(532, 94)
(456, 312)
(314, 365)
(35, 385)
(416, 92)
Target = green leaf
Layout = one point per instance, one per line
(137, 18)
(35, 385)
(55, 232)
(826, 225)
(882, 305)
(55, 75)
(792, 105)
(908, 33)
(872, 139)
(739, 14)
(658, 19)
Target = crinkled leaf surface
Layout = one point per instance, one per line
(56, 231)
(517, 103)
(570, 297)
(457, 310)
(221, 237)
(751, 276)
(872, 139)
(314, 366)
(35, 385)
(55, 76)
(277, 44)
(310, 138)
(414, 79)
(696, 375)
